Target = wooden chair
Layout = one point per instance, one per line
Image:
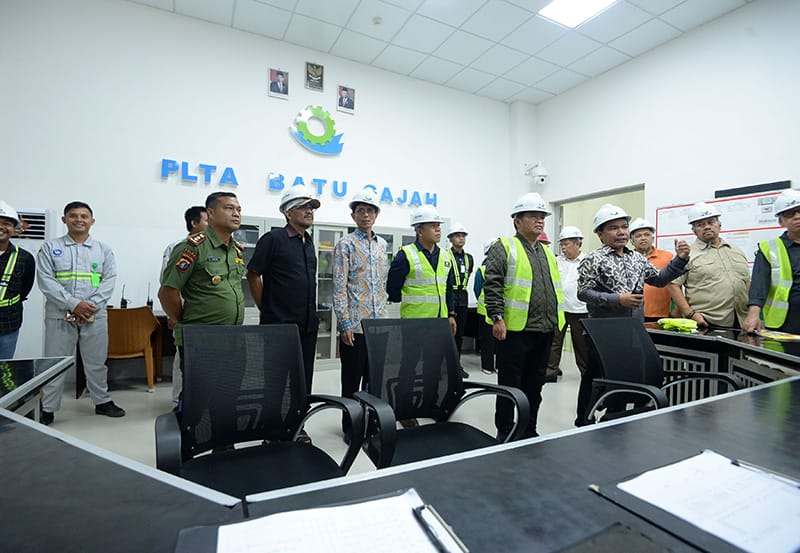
(136, 332)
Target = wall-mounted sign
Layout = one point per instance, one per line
(171, 166)
(327, 143)
(314, 76)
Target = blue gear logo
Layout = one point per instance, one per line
(327, 143)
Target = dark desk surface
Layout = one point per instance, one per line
(61, 498)
(21, 377)
(532, 496)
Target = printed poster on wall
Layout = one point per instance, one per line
(314, 76)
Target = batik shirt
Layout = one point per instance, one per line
(603, 276)
(360, 269)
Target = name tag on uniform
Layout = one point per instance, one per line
(214, 259)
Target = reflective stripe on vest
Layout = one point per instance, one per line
(423, 292)
(5, 280)
(457, 283)
(68, 276)
(777, 304)
(481, 308)
(519, 282)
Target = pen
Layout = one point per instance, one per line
(433, 537)
(767, 472)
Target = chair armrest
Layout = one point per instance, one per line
(353, 411)
(380, 421)
(732, 381)
(516, 395)
(608, 388)
(168, 443)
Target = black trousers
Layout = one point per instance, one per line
(522, 363)
(488, 345)
(461, 326)
(308, 343)
(355, 369)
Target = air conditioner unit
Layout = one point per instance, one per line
(37, 223)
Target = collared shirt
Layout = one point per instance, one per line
(603, 276)
(166, 256)
(74, 261)
(360, 269)
(568, 268)
(716, 282)
(656, 300)
(208, 273)
(287, 263)
(543, 305)
(400, 268)
(21, 283)
(759, 286)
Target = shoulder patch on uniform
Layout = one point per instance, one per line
(188, 256)
(197, 239)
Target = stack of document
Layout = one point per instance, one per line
(399, 523)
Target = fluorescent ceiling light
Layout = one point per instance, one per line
(572, 13)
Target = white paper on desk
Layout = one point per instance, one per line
(385, 525)
(751, 509)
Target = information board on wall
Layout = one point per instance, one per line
(746, 221)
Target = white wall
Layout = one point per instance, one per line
(712, 110)
(96, 92)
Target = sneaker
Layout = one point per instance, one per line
(109, 410)
(46, 418)
(303, 438)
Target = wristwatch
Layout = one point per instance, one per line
(497, 318)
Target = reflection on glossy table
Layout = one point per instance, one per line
(21, 380)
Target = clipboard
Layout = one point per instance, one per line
(430, 527)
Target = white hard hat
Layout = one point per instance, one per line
(639, 224)
(606, 213)
(425, 214)
(570, 232)
(530, 202)
(488, 245)
(701, 210)
(296, 196)
(457, 227)
(786, 200)
(365, 196)
(9, 212)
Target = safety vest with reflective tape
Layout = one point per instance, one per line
(5, 280)
(458, 284)
(481, 308)
(424, 289)
(777, 304)
(518, 285)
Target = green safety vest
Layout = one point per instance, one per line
(777, 305)
(5, 280)
(518, 285)
(457, 283)
(424, 289)
(481, 308)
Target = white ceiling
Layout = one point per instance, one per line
(495, 48)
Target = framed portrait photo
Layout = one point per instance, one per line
(314, 76)
(278, 83)
(345, 98)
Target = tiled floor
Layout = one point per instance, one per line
(132, 436)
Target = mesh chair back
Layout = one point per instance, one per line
(621, 349)
(413, 366)
(241, 383)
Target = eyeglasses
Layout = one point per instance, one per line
(306, 207)
(790, 213)
(366, 211)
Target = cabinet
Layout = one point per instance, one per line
(325, 237)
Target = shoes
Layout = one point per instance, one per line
(559, 372)
(551, 377)
(303, 438)
(46, 418)
(501, 437)
(109, 410)
(464, 374)
(409, 423)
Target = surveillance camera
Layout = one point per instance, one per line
(540, 174)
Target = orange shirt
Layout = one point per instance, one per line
(656, 300)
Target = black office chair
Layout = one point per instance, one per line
(247, 384)
(628, 374)
(414, 373)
